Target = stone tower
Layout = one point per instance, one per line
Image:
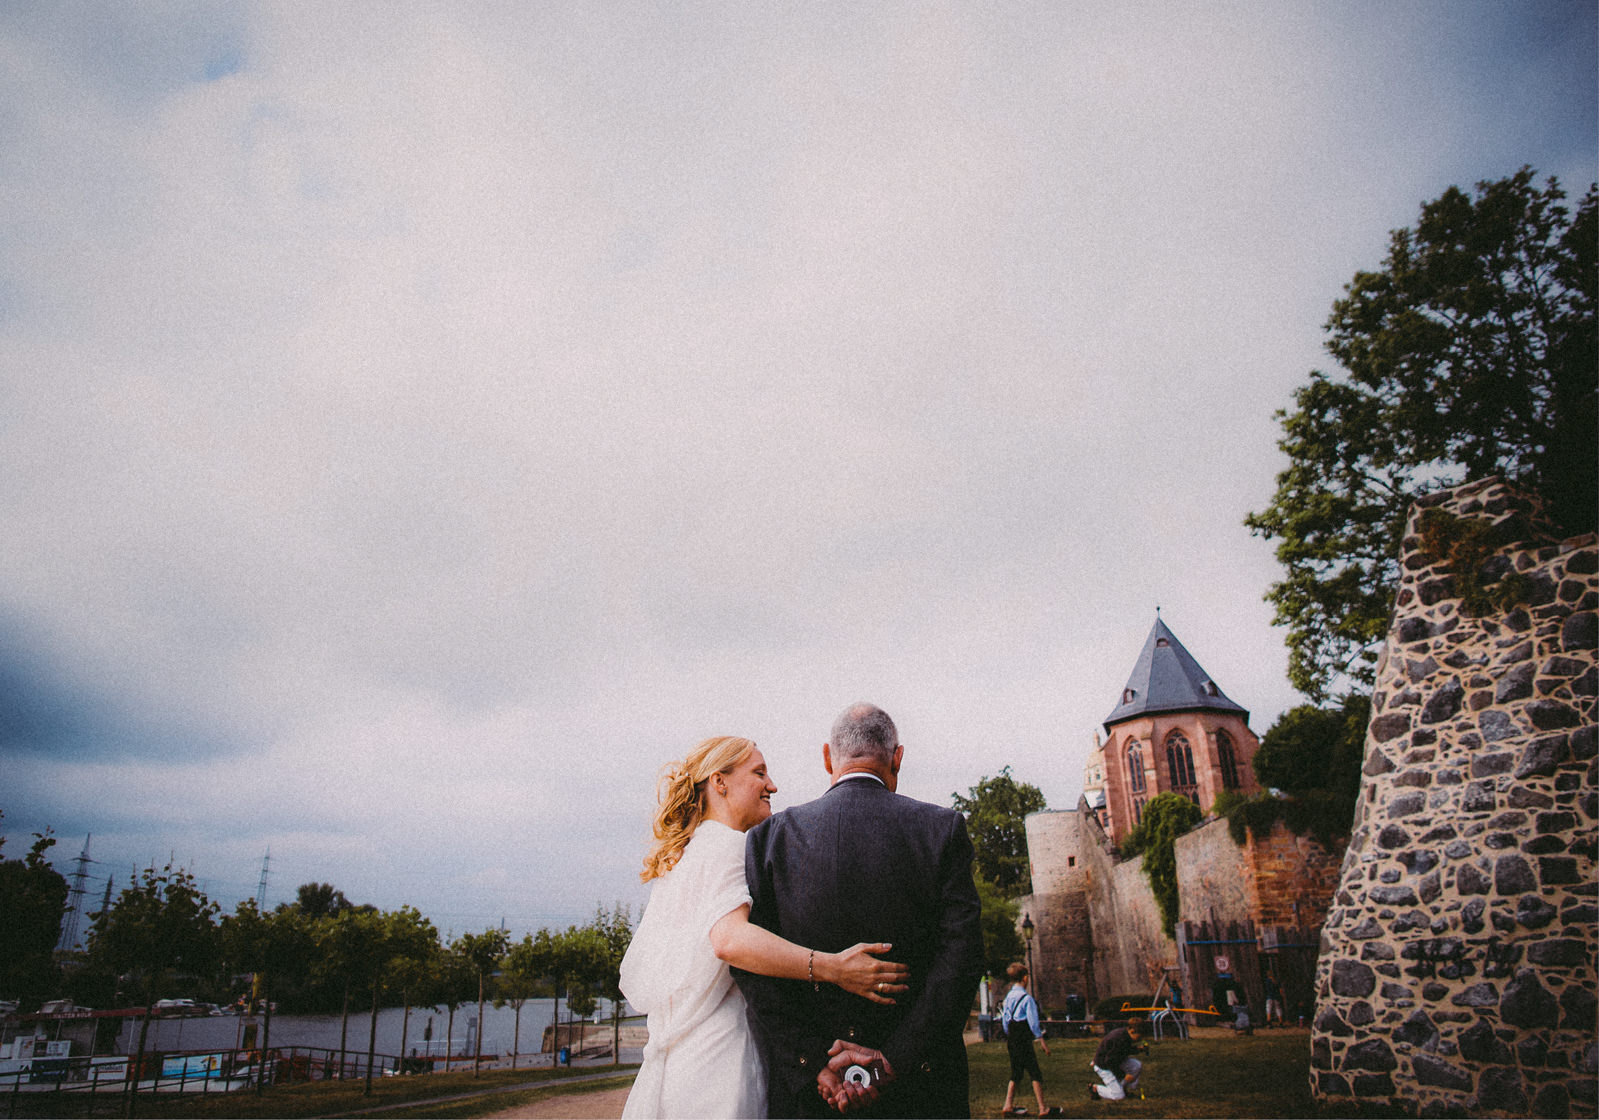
(1457, 972)
(1174, 730)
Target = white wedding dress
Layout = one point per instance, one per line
(701, 1060)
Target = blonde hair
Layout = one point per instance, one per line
(681, 796)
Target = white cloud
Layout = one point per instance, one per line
(420, 422)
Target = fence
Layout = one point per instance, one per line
(1288, 953)
(112, 1086)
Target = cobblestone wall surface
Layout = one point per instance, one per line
(1457, 967)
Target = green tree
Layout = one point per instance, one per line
(519, 982)
(454, 982)
(484, 952)
(321, 900)
(1471, 353)
(1166, 817)
(1001, 943)
(159, 937)
(615, 927)
(1310, 762)
(995, 809)
(33, 900)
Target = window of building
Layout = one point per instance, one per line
(1180, 764)
(1229, 760)
(1071, 861)
(1138, 811)
(1135, 766)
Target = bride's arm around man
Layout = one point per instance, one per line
(862, 863)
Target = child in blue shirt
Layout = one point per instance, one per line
(1018, 1015)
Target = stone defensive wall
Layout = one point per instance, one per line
(1279, 879)
(1457, 966)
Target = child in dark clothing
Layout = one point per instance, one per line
(1118, 1070)
(1019, 1017)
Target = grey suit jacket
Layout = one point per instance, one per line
(862, 864)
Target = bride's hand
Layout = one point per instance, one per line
(858, 971)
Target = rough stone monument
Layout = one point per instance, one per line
(1457, 966)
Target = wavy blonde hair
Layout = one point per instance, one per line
(681, 796)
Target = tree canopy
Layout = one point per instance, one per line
(33, 899)
(160, 931)
(1311, 757)
(1471, 352)
(995, 810)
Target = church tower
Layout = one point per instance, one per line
(1173, 731)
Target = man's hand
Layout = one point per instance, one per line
(844, 1096)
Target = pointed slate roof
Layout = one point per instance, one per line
(1166, 678)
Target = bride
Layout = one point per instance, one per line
(701, 1060)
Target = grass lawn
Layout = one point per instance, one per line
(1266, 1074)
(1217, 1074)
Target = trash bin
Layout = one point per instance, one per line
(564, 1056)
(1076, 1011)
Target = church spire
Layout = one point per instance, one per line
(1166, 678)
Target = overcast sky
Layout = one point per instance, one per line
(420, 422)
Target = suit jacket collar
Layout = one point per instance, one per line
(865, 781)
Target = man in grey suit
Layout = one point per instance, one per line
(862, 863)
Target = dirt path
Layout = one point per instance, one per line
(602, 1104)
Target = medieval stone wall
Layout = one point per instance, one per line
(1058, 907)
(1457, 969)
(1295, 878)
(1213, 883)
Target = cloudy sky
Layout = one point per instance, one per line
(419, 422)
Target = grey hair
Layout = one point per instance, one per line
(864, 732)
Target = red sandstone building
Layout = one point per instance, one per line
(1173, 730)
(1097, 925)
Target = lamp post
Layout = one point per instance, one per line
(1027, 932)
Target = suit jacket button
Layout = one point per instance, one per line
(850, 1033)
(927, 1067)
(804, 1062)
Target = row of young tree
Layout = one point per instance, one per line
(161, 937)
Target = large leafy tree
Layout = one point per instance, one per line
(159, 937)
(1470, 353)
(1002, 945)
(995, 809)
(1310, 760)
(33, 899)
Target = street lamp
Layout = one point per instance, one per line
(1027, 932)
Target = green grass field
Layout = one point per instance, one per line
(1218, 1074)
(1263, 1075)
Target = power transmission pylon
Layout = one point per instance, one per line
(69, 926)
(260, 890)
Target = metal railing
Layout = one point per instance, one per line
(106, 1085)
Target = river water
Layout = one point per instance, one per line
(425, 1034)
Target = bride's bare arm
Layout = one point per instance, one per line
(756, 949)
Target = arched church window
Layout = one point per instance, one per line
(1138, 811)
(1135, 766)
(1180, 764)
(1229, 760)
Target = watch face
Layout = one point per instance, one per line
(861, 1075)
